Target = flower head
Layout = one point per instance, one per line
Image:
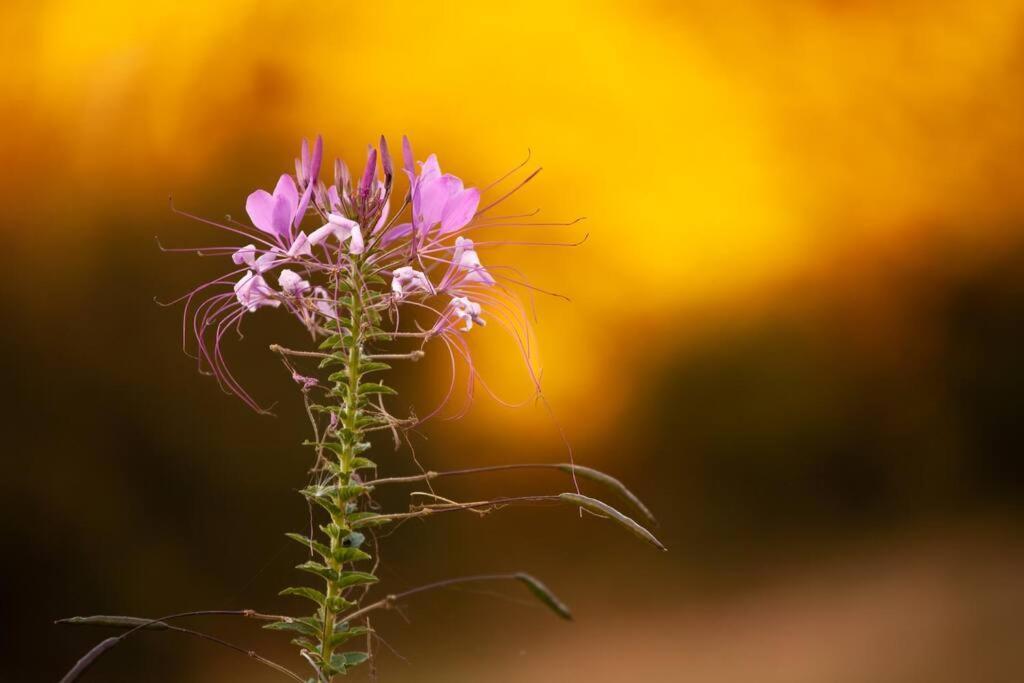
(359, 250)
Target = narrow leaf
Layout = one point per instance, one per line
(362, 463)
(293, 626)
(320, 570)
(346, 579)
(350, 491)
(347, 660)
(343, 555)
(330, 342)
(374, 388)
(607, 510)
(307, 543)
(360, 520)
(343, 634)
(368, 366)
(612, 483)
(305, 592)
(543, 594)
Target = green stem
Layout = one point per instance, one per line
(350, 420)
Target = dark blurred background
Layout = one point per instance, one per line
(796, 332)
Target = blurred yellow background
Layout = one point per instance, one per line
(795, 324)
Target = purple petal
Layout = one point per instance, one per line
(314, 164)
(264, 262)
(300, 210)
(407, 161)
(282, 217)
(300, 246)
(304, 157)
(252, 291)
(382, 221)
(356, 244)
(286, 190)
(321, 234)
(260, 207)
(460, 210)
(453, 184)
(428, 203)
(339, 226)
(341, 173)
(246, 255)
(430, 169)
(292, 283)
(368, 173)
(385, 158)
(398, 232)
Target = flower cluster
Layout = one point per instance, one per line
(345, 265)
(307, 231)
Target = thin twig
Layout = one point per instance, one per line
(389, 601)
(588, 472)
(412, 355)
(277, 348)
(134, 624)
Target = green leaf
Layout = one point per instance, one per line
(295, 626)
(346, 660)
(375, 388)
(305, 592)
(361, 520)
(543, 594)
(320, 570)
(369, 366)
(607, 510)
(370, 421)
(320, 548)
(350, 491)
(333, 359)
(329, 505)
(340, 604)
(362, 463)
(347, 579)
(343, 555)
(304, 643)
(336, 448)
(330, 342)
(342, 633)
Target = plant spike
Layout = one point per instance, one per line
(346, 282)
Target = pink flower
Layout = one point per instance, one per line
(300, 246)
(405, 280)
(436, 199)
(247, 255)
(467, 311)
(342, 229)
(322, 301)
(292, 283)
(252, 291)
(314, 270)
(274, 213)
(466, 259)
